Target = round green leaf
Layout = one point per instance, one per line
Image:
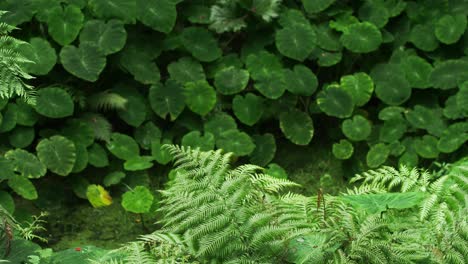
(23, 186)
(9, 118)
(139, 62)
(139, 163)
(302, 81)
(82, 158)
(64, 24)
(167, 99)
(391, 85)
(426, 118)
(423, 37)
(200, 97)
(375, 13)
(449, 28)
(218, 123)
(327, 39)
(409, 159)
(237, 142)
(138, 200)
(134, 112)
(41, 53)
(113, 178)
(272, 86)
(123, 146)
(296, 42)
(357, 129)
(195, 140)
(248, 109)
(326, 58)
(417, 71)
(79, 131)
(276, 171)
(297, 126)
(146, 134)
(316, 6)
(21, 137)
(453, 137)
(265, 149)
(85, 62)
(160, 154)
(201, 43)
(159, 15)
(262, 63)
(186, 70)
(391, 112)
(54, 102)
(392, 130)
(58, 153)
(335, 101)
(98, 196)
(25, 114)
(448, 74)
(343, 150)
(426, 147)
(123, 9)
(97, 156)
(359, 85)
(361, 37)
(377, 155)
(7, 202)
(231, 80)
(26, 164)
(109, 37)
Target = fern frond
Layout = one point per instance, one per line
(101, 126)
(106, 101)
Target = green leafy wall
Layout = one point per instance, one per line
(385, 81)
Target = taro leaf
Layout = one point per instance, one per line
(417, 71)
(79, 131)
(160, 154)
(231, 80)
(9, 118)
(25, 163)
(139, 163)
(58, 153)
(327, 39)
(138, 200)
(146, 134)
(200, 97)
(449, 28)
(227, 61)
(375, 13)
(276, 171)
(97, 156)
(201, 44)
(219, 123)
(237, 142)
(272, 86)
(426, 147)
(159, 15)
(23, 186)
(391, 85)
(361, 37)
(261, 64)
(302, 81)
(462, 98)
(123, 147)
(124, 10)
(139, 62)
(54, 102)
(325, 58)
(296, 42)
(343, 21)
(291, 17)
(194, 139)
(448, 74)
(25, 114)
(396, 148)
(21, 137)
(343, 150)
(391, 112)
(297, 126)
(113, 178)
(64, 25)
(409, 159)
(19, 11)
(423, 37)
(186, 70)
(249, 108)
(7, 202)
(335, 101)
(82, 158)
(359, 85)
(85, 62)
(41, 53)
(452, 109)
(357, 129)
(377, 155)
(98, 196)
(453, 137)
(374, 203)
(392, 130)
(167, 99)
(135, 110)
(109, 37)
(316, 6)
(426, 118)
(265, 149)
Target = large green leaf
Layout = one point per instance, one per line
(377, 155)
(237, 142)
(123, 146)
(138, 200)
(21, 137)
(160, 15)
(423, 37)
(392, 130)
(167, 99)
(359, 85)
(135, 111)
(297, 126)
(23, 186)
(85, 62)
(122, 9)
(64, 24)
(426, 147)
(41, 53)
(139, 62)
(25, 163)
(273, 85)
(194, 139)
(82, 158)
(343, 149)
(201, 43)
(261, 64)
(449, 28)
(391, 85)
(231, 80)
(97, 156)
(26, 115)
(109, 37)
(219, 123)
(374, 12)
(58, 153)
(249, 108)
(296, 42)
(316, 6)
(426, 118)
(160, 154)
(417, 71)
(54, 102)
(302, 81)
(79, 131)
(453, 137)
(186, 70)
(357, 129)
(361, 37)
(373, 203)
(448, 74)
(265, 149)
(139, 163)
(335, 101)
(146, 134)
(200, 97)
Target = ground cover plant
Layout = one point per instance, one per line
(91, 90)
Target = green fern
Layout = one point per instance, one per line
(106, 101)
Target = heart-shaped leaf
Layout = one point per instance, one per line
(21, 137)
(449, 28)
(377, 155)
(195, 140)
(139, 163)
(335, 101)
(231, 80)
(448, 74)
(167, 99)
(186, 70)
(58, 153)
(265, 149)
(123, 146)
(297, 126)
(146, 134)
(343, 150)
(359, 85)
(273, 85)
(302, 81)
(85, 62)
(391, 85)
(236, 142)
(41, 53)
(138, 200)
(296, 42)
(98, 196)
(219, 123)
(113, 178)
(54, 102)
(261, 64)
(201, 43)
(64, 24)
(122, 9)
(426, 147)
(357, 129)
(417, 71)
(159, 15)
(361, 37)
(453, 137)
(97, 156)
(25, 163)
(248, 109)
(200, 97)
(109, 37)
(423, 37)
